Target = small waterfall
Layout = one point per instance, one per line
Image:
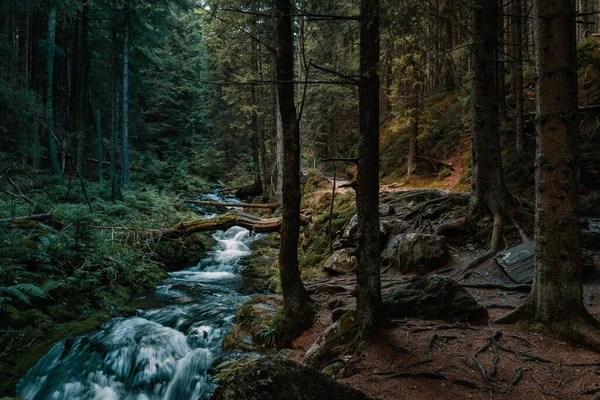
(163, 353)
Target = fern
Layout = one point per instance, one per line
(23, 292)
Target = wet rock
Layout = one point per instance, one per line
(517, 262)
(333, 341)
(340, 262)
(434, 297)
(419, 253)
(276, 378)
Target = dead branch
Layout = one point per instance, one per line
(221, 222)
(19, 192)
(32, 217)
(226, 204)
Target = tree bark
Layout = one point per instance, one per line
(100, 153)
(82, 101)
(54, 166)
(114, 117)
(279, 162)
(413, 140)
(517, 40)
(125, 173)
(557, 292)
(295, 296)
(368, 285)
(488, 189)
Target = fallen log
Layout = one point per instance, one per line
(226, 204)
(223, 222)
(32, 217)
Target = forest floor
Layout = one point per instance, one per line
(397, 364)
(424, 359)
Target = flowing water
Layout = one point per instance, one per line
(163, 353)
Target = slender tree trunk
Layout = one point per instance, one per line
(100, 152)
(279, 153)
(295, 296)
(518, 75)
(557, 293)
(368, 285)
(82, 102)
(125, 174)
(487, 185)
(54, 167)
(500, 70)
(114, 116)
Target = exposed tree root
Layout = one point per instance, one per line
(496, 239)
(581, 329)
(452, 227)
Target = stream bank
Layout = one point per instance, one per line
(166, 351)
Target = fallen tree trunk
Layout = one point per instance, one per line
(223, 222)
(225, 204)
(32, 217)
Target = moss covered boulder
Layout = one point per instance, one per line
(435, 297)
(418, 253)
(341, 262)
(184, 252)
(276, 378)
(334, 341)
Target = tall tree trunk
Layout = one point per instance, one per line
(488, 190)
(557, 287)
(114, 115)
(487, 186)
(279, 153)
(556, 297)
(500, 70)
(54, 167)
(125, 174)
(413, 143)
(82, 100)
(100, 152)
(517, 40)
(295, 296)
(368, 285)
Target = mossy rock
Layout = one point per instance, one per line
(277, 378)
(434, 297)
(184, 252)
(264, 321)
(334, 341)
(261, 264)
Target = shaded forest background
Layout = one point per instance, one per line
(126, 107)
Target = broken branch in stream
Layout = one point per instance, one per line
(227, 204)
(221, 222)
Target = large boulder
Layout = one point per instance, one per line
(434, 297)
(332, 342)
(340, 262)
(276, 378)
(419, 253)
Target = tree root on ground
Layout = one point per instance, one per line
(582, 329)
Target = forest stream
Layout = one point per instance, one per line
(166, 351)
